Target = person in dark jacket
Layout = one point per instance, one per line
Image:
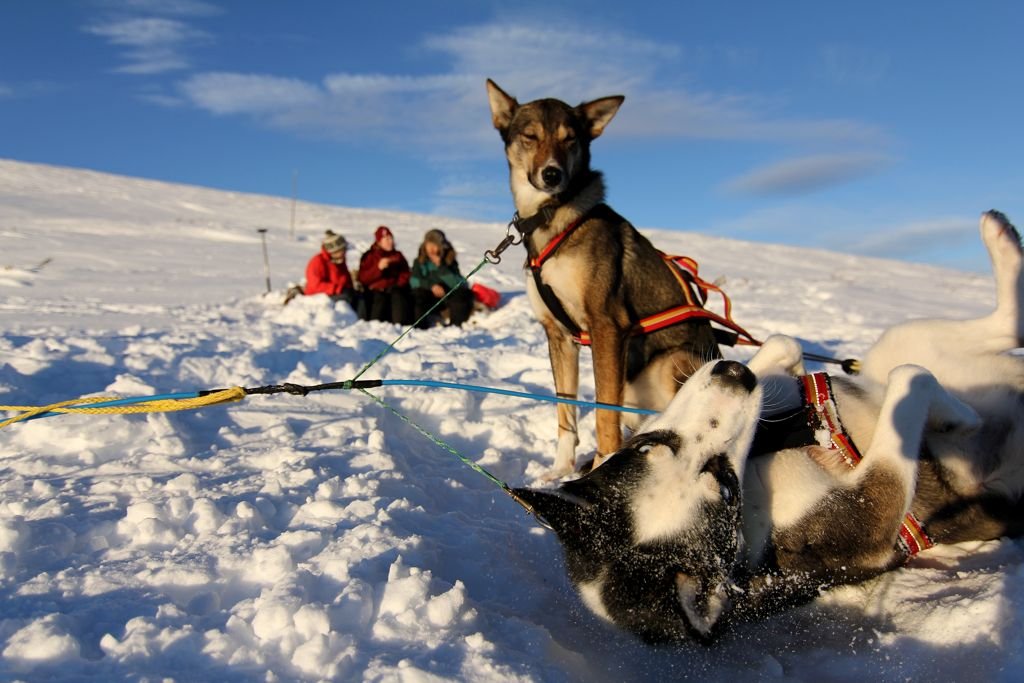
(435, 272)
(327, 273)
(384, 274)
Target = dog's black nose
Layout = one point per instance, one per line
(735, 372)
(552, 176)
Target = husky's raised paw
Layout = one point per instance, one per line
(999, 234)
(1002, 240)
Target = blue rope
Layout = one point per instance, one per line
(386, 382)
(517, 394)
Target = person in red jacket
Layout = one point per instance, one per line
(384, 274)
(327, 272)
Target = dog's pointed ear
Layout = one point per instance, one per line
(503, 106)
(703, 602)
(564, 513)
(598, 113)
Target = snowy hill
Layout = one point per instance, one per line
(289, 538)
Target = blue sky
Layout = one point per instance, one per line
(873, 128)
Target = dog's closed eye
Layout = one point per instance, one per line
(645, 443)
(655, 450)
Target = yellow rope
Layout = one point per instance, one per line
(81, 405)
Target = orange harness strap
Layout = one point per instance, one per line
(685, 270)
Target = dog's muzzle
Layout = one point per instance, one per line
(551, 176)
(733, 372)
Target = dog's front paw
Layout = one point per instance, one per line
(557, 473)
(565, 457)
(779, 353)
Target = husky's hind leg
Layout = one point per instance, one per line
(943, 345)
(1004, 248)
(913, 399)
(877, 492)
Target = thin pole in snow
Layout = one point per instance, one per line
(266, 258)
(295, 182)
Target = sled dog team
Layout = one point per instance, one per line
(726, 507)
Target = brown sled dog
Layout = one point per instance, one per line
(592, 272)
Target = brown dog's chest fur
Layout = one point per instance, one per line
(607, 269)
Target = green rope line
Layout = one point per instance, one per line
(439, 442)
(465, 461)
(387, 349)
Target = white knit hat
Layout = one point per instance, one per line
(334, 242)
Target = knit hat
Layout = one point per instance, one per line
(381, 232)
(435, 236)
(334, 242)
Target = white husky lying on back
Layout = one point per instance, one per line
(711, 514)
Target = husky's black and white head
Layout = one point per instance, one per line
(652, 536)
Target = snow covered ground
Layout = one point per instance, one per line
(288, 538)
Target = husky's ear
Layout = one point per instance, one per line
(503, 106)
(598, 113)
(563, 512)
(703, 601)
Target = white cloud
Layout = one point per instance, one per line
(151, 44)
(883, 231)
(537, 60)
(807, 174)
(446, 113)
(228, 93)
(913, 238)
(654, 112)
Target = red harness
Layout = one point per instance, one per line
(683, 268)
(823, 416)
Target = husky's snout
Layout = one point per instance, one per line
(735, 373)
(552, 177)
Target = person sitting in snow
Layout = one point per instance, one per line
(435, 272)
(384, 275)
(327, 272)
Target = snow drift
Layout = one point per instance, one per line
(290, 538)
